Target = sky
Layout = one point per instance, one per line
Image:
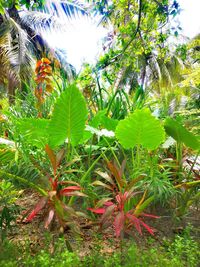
(190, 17)
(82, 39)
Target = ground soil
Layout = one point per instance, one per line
(35, 235)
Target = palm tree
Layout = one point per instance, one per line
(21, 42)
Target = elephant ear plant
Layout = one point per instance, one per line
(139, 129)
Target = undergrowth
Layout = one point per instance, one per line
(183, 251)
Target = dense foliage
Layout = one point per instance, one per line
(116, 146)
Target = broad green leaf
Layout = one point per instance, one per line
(68, 118)
(181, 134)
(33, 131)
(140, 128)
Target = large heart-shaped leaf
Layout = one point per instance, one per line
(68, 118)
(140, 128)
(181, 134)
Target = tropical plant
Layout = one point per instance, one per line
(118, 209)
(140, 128)
(66, 123)
(53, 200)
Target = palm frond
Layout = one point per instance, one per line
(154, 69)
(19, 53)
(8, 76)
(175, 67)
(65, 8)
(16, 61)
(68, 69)
(39, 21)
(56, 15)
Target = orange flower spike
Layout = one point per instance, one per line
(46, 61)
(38, 65)
(49, 88)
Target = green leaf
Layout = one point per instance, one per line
(4, 174)
(100, 119)
(109, 123)
(68, 118)
(181, 134)
(96, 120)
(33, 131)
(140, 128)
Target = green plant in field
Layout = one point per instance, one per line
(142, 133)
(8, 208)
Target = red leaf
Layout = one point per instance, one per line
(108, 203)
(52, 158)
(134, 220)
(121, 171)
(54, 183)
(42, 202)
(149, 229)
(98, 211)
(60, 156)
(69, 189)
(150, 215)
(116, 173)
(121, 199)
(49, 218)
(119, 223)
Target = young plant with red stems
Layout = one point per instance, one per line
(118, 210)
(54, 198)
